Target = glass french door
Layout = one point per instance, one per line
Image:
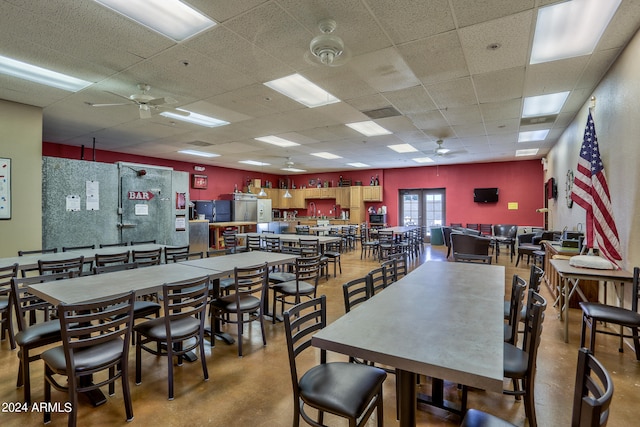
(423, 207)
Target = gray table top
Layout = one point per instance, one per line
(220, 266)
(295, 237)
(31, 260)
(443, 320)
(143, 281)
(563, 268)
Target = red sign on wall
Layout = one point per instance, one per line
(140, 195)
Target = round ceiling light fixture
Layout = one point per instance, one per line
(327, 47)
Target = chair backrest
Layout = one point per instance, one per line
(535, 278)
(75, 248)
(469, 248)
(147, 258)
(254, 243)
(102, 260)
(385, 237)
(307, 270)
(390, 270)
(505, 230)
(250, 281)
(302, 229)
(309, 247)
(111, 245)
(635, 293)
(593, 392)
(402, 264)
(40, 251)
(230, 241)
(518, 289)
(446, 236)
(300, 323)
(187, 298)
(272, 244)
(74, 264)
(536, 305)
(24, 302)
(377, 280)
(6, 274)
(88, 324)
(355, 291)
(115, 267)
(179, 252)
(143, 242)
(473, 226)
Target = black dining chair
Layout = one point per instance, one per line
(520, 362)
(245, 303)
(102, 260)
(593, 313)
(74, 264)
(35, 335)
(175, 254)
(305, 283)
(6, 319)
(179, 331)
(516, 304)
(592, 397)
(95, 338)
(349, 390)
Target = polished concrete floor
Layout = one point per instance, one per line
(255, 390)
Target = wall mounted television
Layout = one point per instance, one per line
(485, 195)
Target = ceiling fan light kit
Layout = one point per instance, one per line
(327, 47)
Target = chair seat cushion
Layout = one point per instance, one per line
(289, 288)
(475, 418)
(516, 361)
(340, 387)
(85, 358)
(332, 254)
(155, 328)
(228, 303)
(281, 276)
(45, 331)
(507, 308)
(145, 308)
(610, 313)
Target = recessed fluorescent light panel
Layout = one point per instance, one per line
(403, 148)
(293, 170)
(195, 118)
(171, 18)
(358, 165)
(423, 160)
(533, 135)
(302, 90)
(198, 153)
(276, 140)
(25, 71)
(368, 128)
(254, 163)
(527, 152)
(570, 29)
(326, 155)
(543, 105)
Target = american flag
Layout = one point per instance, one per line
(590, 191)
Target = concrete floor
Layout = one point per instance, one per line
(255, 390)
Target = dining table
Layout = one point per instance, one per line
(570, 277)
(443, 320)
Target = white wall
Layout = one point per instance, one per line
(21, 140)
(617, 122)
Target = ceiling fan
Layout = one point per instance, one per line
(145, 102)
(442, 151)
(289, 166)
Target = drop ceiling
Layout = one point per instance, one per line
(424, 70)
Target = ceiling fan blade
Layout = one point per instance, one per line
(160, 101)
(108, 105)
(118, 95)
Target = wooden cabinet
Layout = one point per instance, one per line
(311, 193)
(356, 215)
(320, 193)
(355, 197)
(372, 193)
(275, 194)
(343, 196)
(297, 200)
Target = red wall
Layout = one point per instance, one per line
(520, 182)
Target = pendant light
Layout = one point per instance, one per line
(287, 195)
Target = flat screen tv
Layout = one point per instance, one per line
(485, 195)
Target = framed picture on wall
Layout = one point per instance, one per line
(5, 188)
(199, 181)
